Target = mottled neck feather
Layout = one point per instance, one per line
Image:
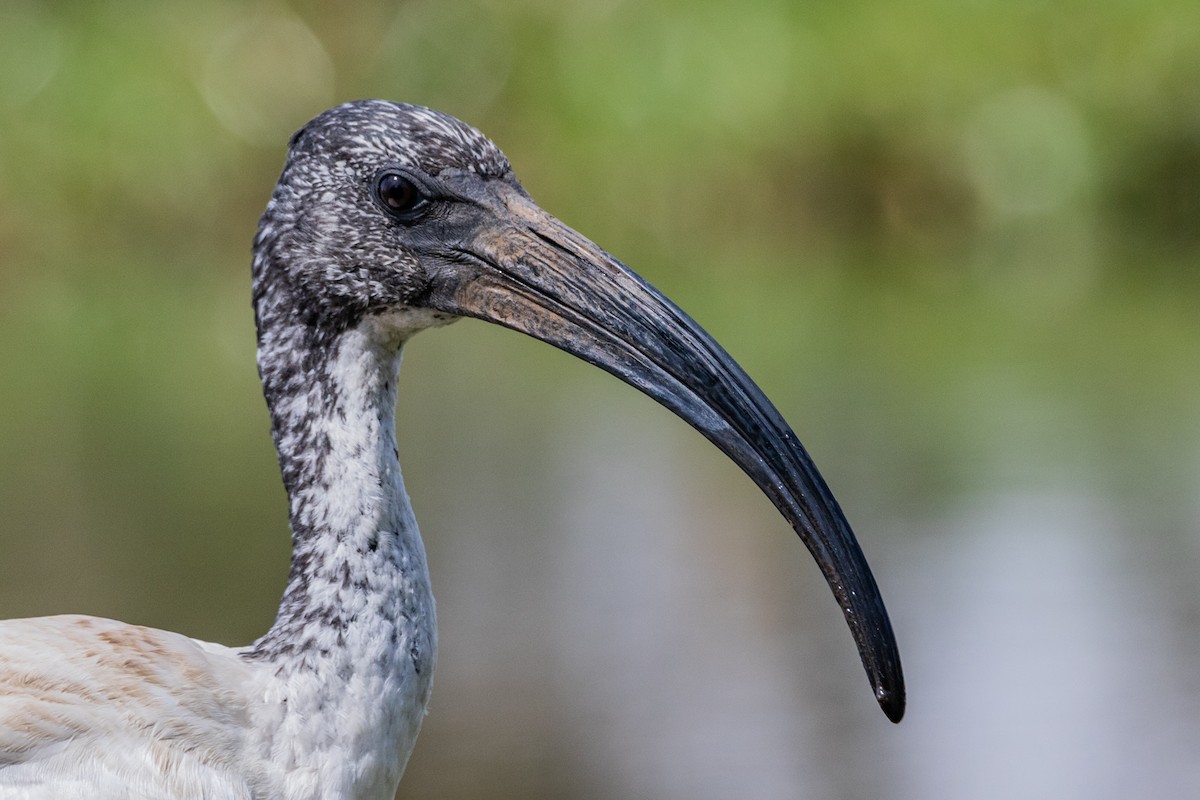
(358, 564)
(352, 650)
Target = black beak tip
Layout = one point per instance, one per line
(891, 702)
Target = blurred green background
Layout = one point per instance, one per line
(957, 243)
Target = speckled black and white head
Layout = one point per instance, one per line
(340, 237)
(389, 218)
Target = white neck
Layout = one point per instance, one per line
(352, 649)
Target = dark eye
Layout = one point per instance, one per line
(400, 195)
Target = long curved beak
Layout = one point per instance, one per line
(517, 266)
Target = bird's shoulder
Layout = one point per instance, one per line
(89, 702)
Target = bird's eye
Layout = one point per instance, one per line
(400, 195)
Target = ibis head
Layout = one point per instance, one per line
(411, 215)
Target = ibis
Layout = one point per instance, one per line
(387, 219)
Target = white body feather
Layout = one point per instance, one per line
(100, 709)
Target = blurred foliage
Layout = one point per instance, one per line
(957, 240)
(939, 216)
